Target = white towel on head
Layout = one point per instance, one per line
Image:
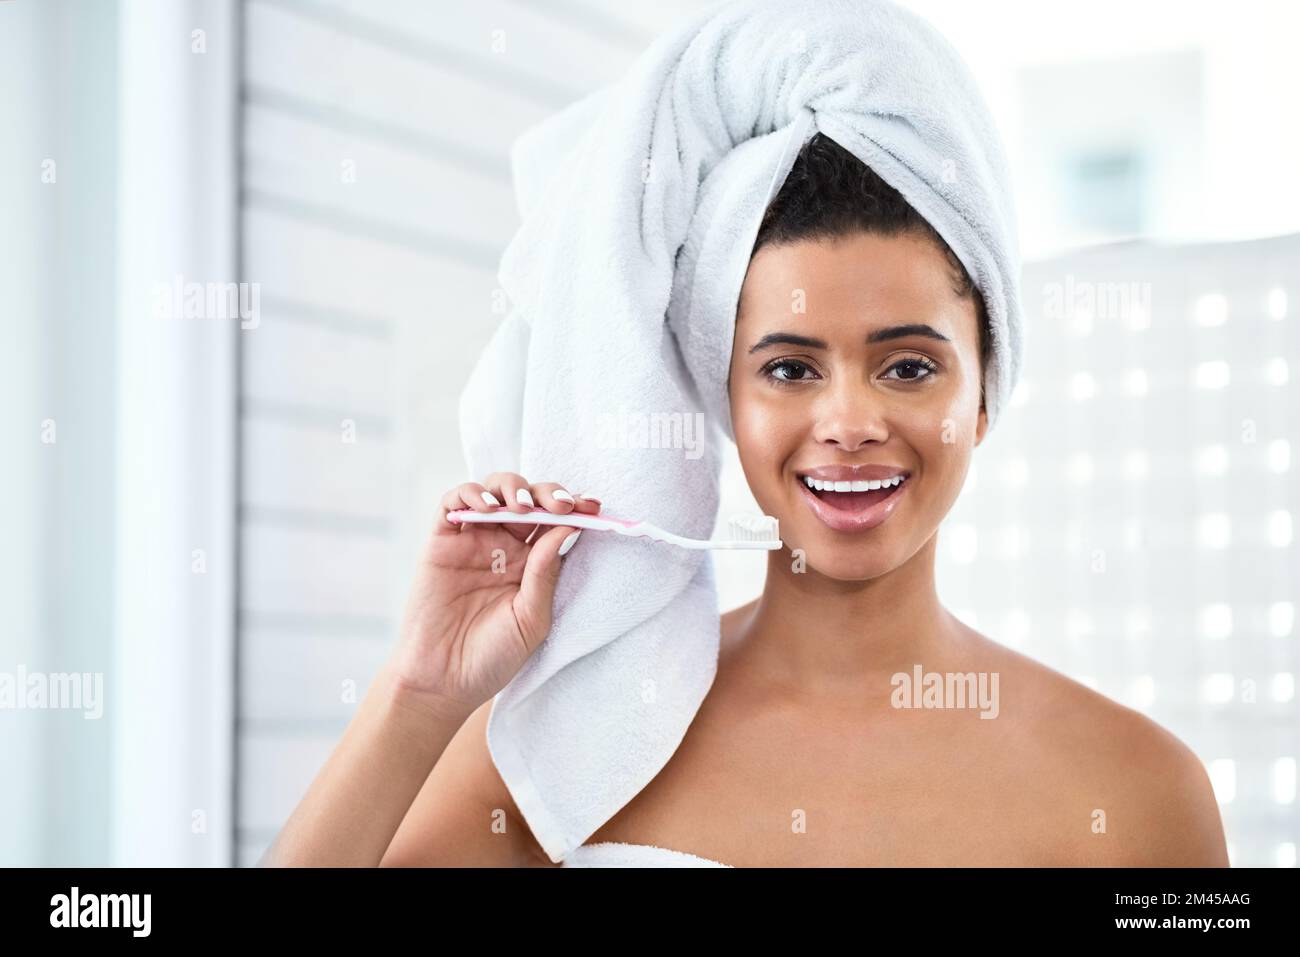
(640, 206)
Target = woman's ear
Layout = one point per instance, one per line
(983, 425)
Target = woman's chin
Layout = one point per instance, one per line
(840, 560)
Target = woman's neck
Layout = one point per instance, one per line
(825, 639)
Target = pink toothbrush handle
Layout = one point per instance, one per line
(626, 523)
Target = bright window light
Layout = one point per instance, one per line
(1080, 469)
(1223, 776)
(1212, 374)
(1142, 691)
(1284, 854)
(1281, 618)
(1135, 382)
(1216, 620)
(1212, 460)
(1137, 317)
(1279, 528)
(1276, 303)
(1211, 309)
(1217, 688)
(1284, 780)
(1082, 386)
(1214, 530)
(1279, 455)
(1283, 687)
(1276, 371)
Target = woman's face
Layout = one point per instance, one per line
(833, 368)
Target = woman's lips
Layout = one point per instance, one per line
(853, 511)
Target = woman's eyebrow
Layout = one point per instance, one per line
(880, 335)
(786, 338)
(911, 329)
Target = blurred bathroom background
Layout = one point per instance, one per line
(219, 515)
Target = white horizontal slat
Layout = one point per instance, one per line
(285, 675)
(312, 163)
(314, 572)
(595, 47)
(285, 467)
(292, 360)
(294, 53)
(314, 263)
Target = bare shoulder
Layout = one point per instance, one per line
(1146, 795)
(464, 815)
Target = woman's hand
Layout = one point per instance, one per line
(481, 601)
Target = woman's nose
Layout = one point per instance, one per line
(849, 416)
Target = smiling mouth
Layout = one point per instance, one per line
(852, 496)
(853, 506)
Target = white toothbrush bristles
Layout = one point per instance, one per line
(748, 527)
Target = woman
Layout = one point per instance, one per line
(880, 375)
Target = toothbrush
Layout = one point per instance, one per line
(744, 531)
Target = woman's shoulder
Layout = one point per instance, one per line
(1137, 781)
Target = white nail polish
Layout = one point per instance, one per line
(524, 497)
(569, 542)
(562, 495)
(490, 498)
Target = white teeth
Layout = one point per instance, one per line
(845, 486)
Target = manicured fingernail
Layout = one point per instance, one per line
(523, 497)
(569, 542)
(490, 498)
(589, 498)
(562, 495)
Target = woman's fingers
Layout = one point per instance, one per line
(510, 491)
(466, 495)
(533, 603)
(554, 497)
(550, 496)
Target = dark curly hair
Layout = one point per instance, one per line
(831, 193)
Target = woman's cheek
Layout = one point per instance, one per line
(945, 421)
(767, 434)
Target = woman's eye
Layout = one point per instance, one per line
(918, 369)
(787, 364)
